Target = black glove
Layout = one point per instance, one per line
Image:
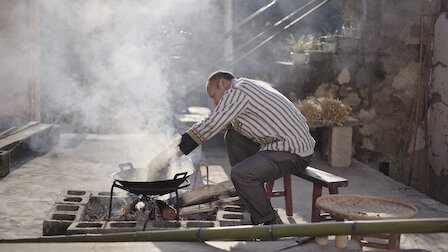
(187, 144)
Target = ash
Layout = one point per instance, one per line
(131, 208)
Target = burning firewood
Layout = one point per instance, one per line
(168, 212)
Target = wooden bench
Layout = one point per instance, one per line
(40, 137)
(319, 179)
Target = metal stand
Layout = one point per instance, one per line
(177, 205)
(111, 195)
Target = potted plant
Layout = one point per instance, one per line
(329, 43)
(300, 48)
(348, 27)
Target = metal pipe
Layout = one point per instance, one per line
(277, 33)
(235, 28)
(276, 25)
(271, 232)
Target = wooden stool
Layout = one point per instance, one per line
(285, 193)
(319, 179)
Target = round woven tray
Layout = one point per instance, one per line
(361, 207)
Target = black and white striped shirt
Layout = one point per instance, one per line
(260, 113)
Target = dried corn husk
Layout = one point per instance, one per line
(311, 109)
(333, 112)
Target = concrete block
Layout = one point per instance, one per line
(74, 193)
(104, 227)
(165, 224)
(118, 193)
(77, 197)
(201, 224)
(60, 217)
(234, 208)
(340, 147)
(124, 226)
(86, 227)
(230, 218)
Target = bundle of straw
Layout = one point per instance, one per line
(333, 112)
(310, 109)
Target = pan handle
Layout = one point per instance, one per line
(124, 165)
(183, 174)
(186, 185)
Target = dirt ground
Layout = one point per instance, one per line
(85, 162)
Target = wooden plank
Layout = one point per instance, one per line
(322, 178)
(206, 192)
(207, 207)
(23, 134)
(201, 208)
(16, 130)
(7, 132)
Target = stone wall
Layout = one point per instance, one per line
(438, 118)
(19, 71)
(377, 73)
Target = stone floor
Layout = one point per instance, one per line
(85, 162)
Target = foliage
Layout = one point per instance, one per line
(330, 37)
(347, 21)
(303, 43)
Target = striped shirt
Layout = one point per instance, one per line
(260, 113)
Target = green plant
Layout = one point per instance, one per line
(303, 43)
(347, 21)
(330, 37)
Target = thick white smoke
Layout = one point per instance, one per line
(112, 66)
(107, 63)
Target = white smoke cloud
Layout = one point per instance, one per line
(107, 66)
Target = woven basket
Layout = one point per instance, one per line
(362, 207)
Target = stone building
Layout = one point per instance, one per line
(392, 73)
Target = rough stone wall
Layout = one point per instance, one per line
(438, 119)
(377, 73)
(387, 81)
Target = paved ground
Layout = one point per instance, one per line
(85, 162)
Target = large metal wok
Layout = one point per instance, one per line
(131, 181)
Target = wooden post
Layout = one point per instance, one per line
(315, 212)
(288, 194)
(4, 163)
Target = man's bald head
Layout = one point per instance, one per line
(217, 84)
(214, 77)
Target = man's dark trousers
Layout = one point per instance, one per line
(251, 169)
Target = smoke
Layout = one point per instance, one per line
(107, 65)
(119, 66)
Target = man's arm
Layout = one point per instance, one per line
(231, 105)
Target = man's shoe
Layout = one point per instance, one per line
(275, 220)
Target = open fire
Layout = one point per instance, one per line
(84, 212)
